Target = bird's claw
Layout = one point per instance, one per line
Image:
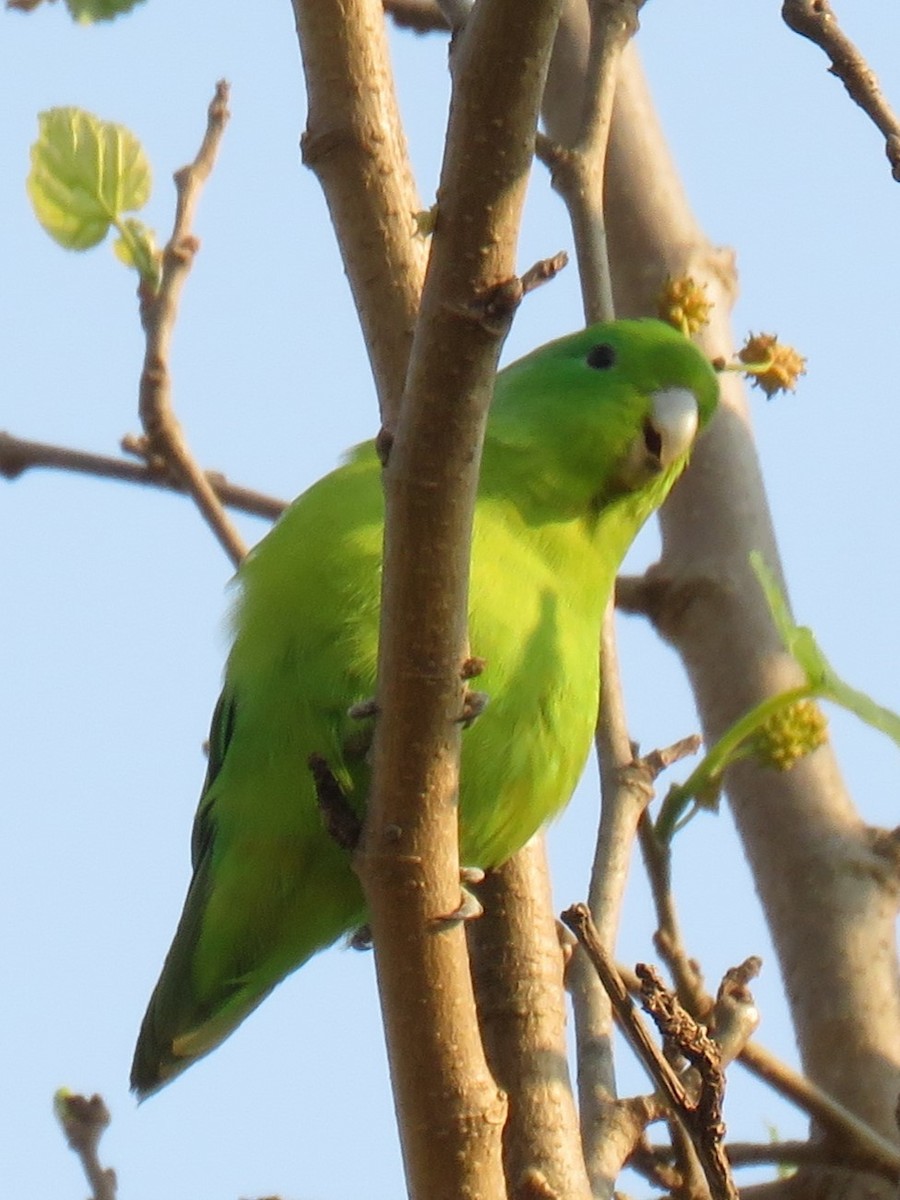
(469, 907)
(360, 938)
(474, 704)
(363, 709)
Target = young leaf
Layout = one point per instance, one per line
(88, 11)
(781, 729)
(136, 247)
(84, 174)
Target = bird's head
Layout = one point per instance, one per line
(612, 411)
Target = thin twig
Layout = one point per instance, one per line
(667, 939)
(18, 456)
(164, 437)
(626, 787)
(578, 919)
(815, 19)
(746, 1154)
(842, 1124)
(653, 1161)
(577, 169)
(624, 795)
(83, 1121)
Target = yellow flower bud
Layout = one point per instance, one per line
(790, 734)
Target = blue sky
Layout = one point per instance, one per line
(113, 598)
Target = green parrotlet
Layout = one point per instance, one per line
(585, 438)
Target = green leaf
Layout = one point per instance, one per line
(84, 174)
(864, 707)
(136, 247)
(823, 679)
(85, 12)
(822, 683)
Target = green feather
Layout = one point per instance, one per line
(574, 461)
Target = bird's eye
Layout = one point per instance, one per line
(601, 356)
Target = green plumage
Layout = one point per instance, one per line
(584, 440)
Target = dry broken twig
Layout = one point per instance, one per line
(701, 1119)
(834, 1117)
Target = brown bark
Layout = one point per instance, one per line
(518, 967)
(450, 1110)
(354, 142)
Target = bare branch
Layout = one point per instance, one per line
(627, 788)
(165, 440)
(18, 456)
(576, 155)
(84, 1120)
(517, 964)
(746, 1154)
(354, 143)
(625, 793)
(653, 1161)
(451, 1111)
(575, 151)
(732, 1032)
(815, 19)
(843, 1125)
(797, 824)
(667, 939)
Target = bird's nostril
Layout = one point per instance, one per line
(652, 440)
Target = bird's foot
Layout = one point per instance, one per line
(360, 938)
(474, 704)
(469, 907)
(341, 820)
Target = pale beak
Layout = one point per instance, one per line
(670, 430)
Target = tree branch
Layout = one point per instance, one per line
(815, 19)
(450, 1110)
(18, 456)
(517, 964)
(354, 143)
(164, 437)
(83, 1121)
(794, 825)
(578, 112)
(842, 1125)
